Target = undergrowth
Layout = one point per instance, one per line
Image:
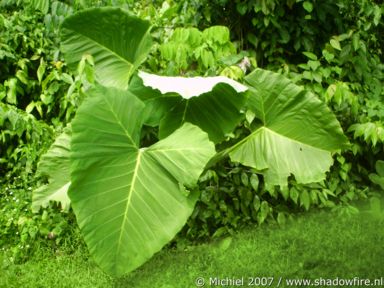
(320, 244)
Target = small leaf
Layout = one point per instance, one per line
(304, 199)
(256, 203)
(241, 8)
(12, 90)
(356, 41)
(233, 72)
(310, 55)
(218, 34)
(225, 243)
(207, 58)
(22, 76)
(370, 129)
(313, 196)
(66, 78)
(314, 64)
(308, 6)
(328, 56)
(377, 14)
(244, 179)
(285, 192)
(317, 77)
(39, 108)
(30, 107)
(285, 36)
(263, 213)
(41, 70)
(46, 99)
(254, 180)
(335, 44)
(294, 194)
(249, 116)
(42, 5)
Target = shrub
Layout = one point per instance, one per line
(149, 189)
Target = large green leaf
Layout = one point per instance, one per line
(55, 165)
(157, 104)
(118, 42)
(212, 103)
(295, 135)
(130, 201)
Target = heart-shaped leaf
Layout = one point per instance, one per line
(117, 41)
(212, 103)
(130, 201)
(295, 135)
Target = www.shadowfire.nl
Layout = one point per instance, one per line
(356, 281)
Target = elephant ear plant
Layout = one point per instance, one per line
(129, 200)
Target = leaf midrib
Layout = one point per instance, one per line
(129, 198)
(119, 122)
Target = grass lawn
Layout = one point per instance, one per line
(314, 245)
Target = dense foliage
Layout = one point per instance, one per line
(332, 48)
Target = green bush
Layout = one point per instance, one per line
(333, 48)
(37, 97)
(22, 140)
(34, 85)
(280, 30)
(24, 232)
(123, 192)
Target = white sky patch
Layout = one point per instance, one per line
(187, 87)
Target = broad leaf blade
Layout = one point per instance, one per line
(130, 201)
(174, 153)
(157, 104)
(56, 165)
(212, 103)
(291, 111)
(118, 42)
(297, 132)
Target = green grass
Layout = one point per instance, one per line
(318, 245)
